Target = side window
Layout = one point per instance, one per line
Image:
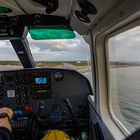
(124, 57)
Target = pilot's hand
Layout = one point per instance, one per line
(8, 111)
(4, 122)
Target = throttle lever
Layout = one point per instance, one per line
(40, 107)
(69, 105)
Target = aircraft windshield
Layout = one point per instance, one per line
(8, 56)
(63, 53)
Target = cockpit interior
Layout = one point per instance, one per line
(44, 99)
(41, 98)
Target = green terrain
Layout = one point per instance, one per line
(47, 64)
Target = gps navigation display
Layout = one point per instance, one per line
(40, 80)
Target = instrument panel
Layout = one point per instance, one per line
(57, 97)
(48, 98)
(23, 86)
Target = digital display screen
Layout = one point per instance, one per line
(42, 91)
(40, 80)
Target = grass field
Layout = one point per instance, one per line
(47, 64)
(10, 63)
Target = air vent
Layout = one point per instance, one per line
(51, 5)
(4, 10)
(86, 8)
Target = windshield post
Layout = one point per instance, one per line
(21, 47)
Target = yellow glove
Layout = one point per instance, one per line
(56, 135)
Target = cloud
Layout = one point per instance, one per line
(60, 50)
(50, 50)
(122, 47)
(6, 51)
(125, 46)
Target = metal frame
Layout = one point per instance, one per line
(120, 15)
(116, 32)
(21, 47)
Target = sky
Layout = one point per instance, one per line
(60, 50)
(122, 47)
(51, 50)
(125, 46)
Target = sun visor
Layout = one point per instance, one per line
(48, 33)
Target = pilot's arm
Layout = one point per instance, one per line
(5, 127)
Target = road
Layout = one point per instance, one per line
(88, 75)
(85, 70)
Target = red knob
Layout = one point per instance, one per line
(28, 108)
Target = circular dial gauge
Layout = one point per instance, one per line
(58, 76)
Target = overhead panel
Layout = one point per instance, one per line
(9, 8)
(98, 10)
(16, 27)
(37, 6)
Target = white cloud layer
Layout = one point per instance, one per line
(125, 46)
(60, 50)
(50, 50)
(122, 47)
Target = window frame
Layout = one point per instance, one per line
(122, 29)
